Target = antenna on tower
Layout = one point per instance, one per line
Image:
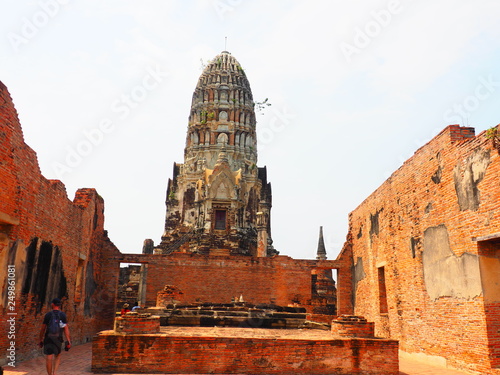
(225, 43)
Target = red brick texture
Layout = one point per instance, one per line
(218, 279)
(352, 327)
(169, 294)
(133, 323)
(113, 353)
(58, 247)
(432, 306)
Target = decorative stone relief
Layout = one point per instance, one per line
(222, 139)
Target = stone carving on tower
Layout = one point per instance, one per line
(219, 201)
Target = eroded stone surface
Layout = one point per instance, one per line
(467, 176)
(448, 275)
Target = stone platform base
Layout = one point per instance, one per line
(238, 314)
(222, 350)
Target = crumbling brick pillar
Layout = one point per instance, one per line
(353, 326)
(134, 323)
(170, 294)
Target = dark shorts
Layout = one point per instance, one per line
(52, 346)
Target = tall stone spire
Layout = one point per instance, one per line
(321, 254)
(222, 113)
(219, 201)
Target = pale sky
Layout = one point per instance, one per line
(103, 91)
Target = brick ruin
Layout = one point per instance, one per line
(421, 259)
(218, 209)
(219, 279)
(139, 344)
(59, 247)
(426, 252)
(176, 337)
(216, 265)
(52, 247)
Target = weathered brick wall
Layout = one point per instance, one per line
(352, 326)
(199, 278)
(59, 247)
(194, 355)
(134, 323)
(426, 254)
(280, 280)
(345, 286)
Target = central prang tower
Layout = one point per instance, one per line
(219, 201)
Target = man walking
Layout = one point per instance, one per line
(51, 336)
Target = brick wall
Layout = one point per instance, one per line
(345, 287)
(352, 326)
(58, 247)
(280, 279)
(431, 231)
(134, 323)
(113, 353)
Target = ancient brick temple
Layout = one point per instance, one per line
(219, 206)
(217, 242)
(421, 261)
(219, 201)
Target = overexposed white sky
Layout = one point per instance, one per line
(103, 91)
